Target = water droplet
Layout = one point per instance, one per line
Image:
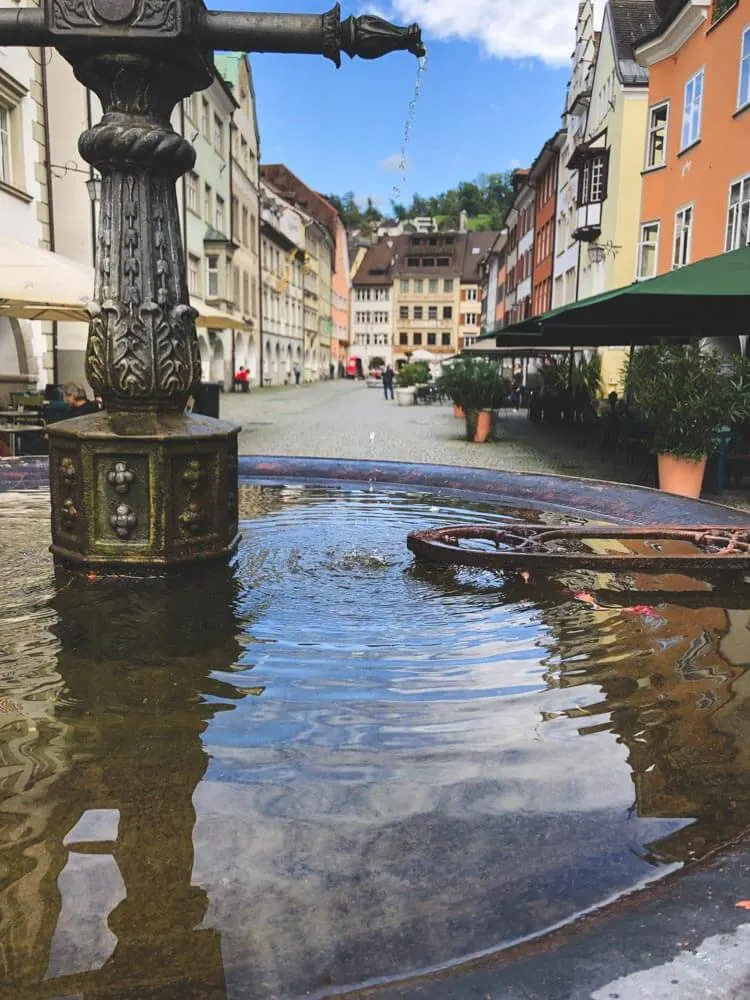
(403, 163)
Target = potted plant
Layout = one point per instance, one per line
(408, 377)
(685, 393)
(474, 385)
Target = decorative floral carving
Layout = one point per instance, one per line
(95, 349)
(67, 471)
(123, 521)
(193, 475)
(193, 520)
(121, 478)
(68, 515)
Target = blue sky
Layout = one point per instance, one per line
(492, 93)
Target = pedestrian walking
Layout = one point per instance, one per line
(388, 382)
(297, 373)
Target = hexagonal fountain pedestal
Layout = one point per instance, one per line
(110, 473)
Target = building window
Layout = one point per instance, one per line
(431, 339)
(447, 312)
(738, 230)
(243, 230)
(471, 295)
(253, 230)
(592, 180)
(417, 340)
(744, 91)
(445, 339)
(220, 213)
(447, 285)
(205, 119)
(245, 293)
(417, 312)
(432, 285)
(192, 275)
(212, 276)
(432, 312)
(412, 261)
(470, 319)
(403, 312)
(5, 148)
(691, 111)
(236, 287)
(656, 141)
(428, 262)
(404, 284)
(403, 339)
(218, 135)
(235, 216)
(191, 188)
(418, 285)
(683, 225)
(444, 261)
(207, 203)
(648, 249)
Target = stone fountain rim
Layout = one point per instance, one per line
(586, 498)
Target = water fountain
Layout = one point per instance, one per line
(323, 765)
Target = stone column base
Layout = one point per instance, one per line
(142, 492)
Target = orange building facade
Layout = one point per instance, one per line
(696, 176)
(543, 177)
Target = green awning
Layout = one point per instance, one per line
(708, 298)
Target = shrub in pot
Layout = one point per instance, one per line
(408, 377)
(474, 385)
(684, 393)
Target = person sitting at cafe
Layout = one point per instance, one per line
(78, 402)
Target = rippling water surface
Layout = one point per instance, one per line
(331, 765)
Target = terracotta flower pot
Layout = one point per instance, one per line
(682, 476)
(457, 411)
(484, 426)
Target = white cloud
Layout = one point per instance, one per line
(395, 162)
(541, 29)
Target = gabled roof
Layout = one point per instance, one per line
(630, 21)
(476, 249)
(375, 268)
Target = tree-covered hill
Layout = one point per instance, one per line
(487, 198)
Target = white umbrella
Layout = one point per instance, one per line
(38, 284)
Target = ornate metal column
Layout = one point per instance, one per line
(144, 485)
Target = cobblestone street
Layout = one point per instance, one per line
(345, 419)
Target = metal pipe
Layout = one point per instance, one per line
(245, 32)
(22, 26)
(50, 197)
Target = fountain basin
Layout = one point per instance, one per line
(333, 766)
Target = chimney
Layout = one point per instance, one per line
(463, 221)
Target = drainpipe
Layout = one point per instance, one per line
(231, 238)
(50, 203)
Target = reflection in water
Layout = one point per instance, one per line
(97, 845)
(337, 764)
(675, 682)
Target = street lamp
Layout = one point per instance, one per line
(94, 188)
(144, 486)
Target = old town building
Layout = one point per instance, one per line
(695, 157)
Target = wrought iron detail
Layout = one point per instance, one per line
(535, 546)
(124, 521)
(121, 478)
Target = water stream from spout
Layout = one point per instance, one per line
(403, 163)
